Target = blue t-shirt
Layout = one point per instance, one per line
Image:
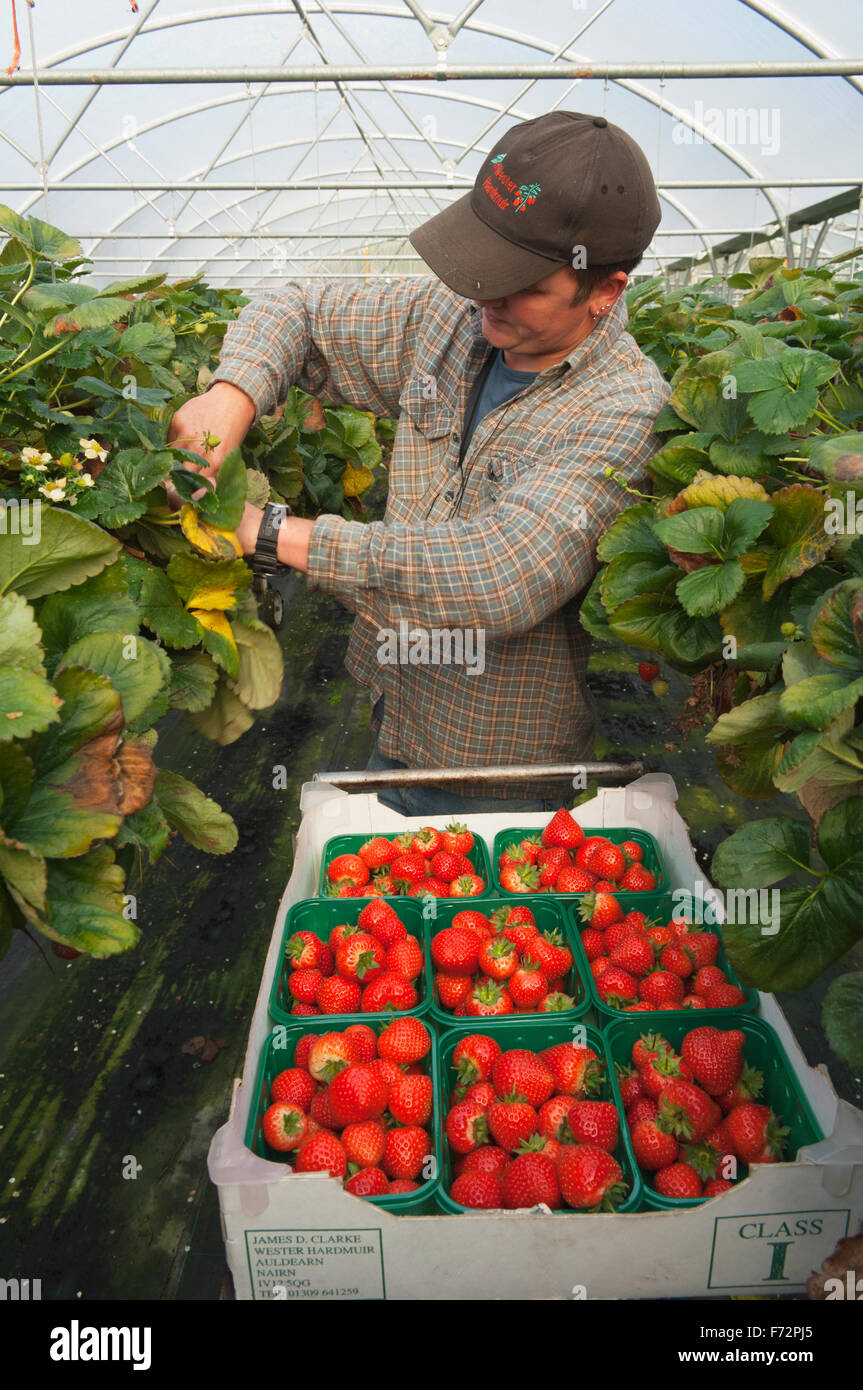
(500, 384)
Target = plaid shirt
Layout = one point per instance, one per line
(503, 545)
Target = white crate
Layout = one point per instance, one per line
(291, 1235)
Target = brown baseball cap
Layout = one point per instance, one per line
(551, 185)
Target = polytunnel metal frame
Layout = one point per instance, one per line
(351, 79)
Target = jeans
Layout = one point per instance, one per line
(438, 801)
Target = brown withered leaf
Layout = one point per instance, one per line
(207, 1048)
(137, 777)
(314, 418)
(847, 1255)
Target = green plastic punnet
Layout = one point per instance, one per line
(532, 1032)
(761, 1050)
(350, 844)
(652, 859)
(277, 1055)
(320, 915)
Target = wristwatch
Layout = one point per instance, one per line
(264, 560)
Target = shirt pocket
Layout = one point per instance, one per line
(496, 472)
(428, 411)
(426, 422)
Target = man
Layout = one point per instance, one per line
(516, 387)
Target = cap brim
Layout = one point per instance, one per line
(472, 259)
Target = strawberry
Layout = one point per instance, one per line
(513, 854)
(358, 1093)
(715, 1057)
(624, 930)
(661, 987)
(687, 1111)
(632, 851)
(364, 1041)
(348, 869)
(387, 930)
(563, 831)
(520, 878)
(510, 1121)
(600, 910)
(405, 1152)
(658, 1071)
(724, 997)
(649, 1045)
(303, 950)
(748, 1087)
(531, 1178)
(294, 1085)
(599, 966)
(467, 1126)
(368, 1182)
(521, 935)
(487, 1159)
(550, 863)
(551, 1120)
(692, 1001)
(586, 850)
(634, 954)
(594, 1122)
(678, 1180)
(648, 670)
(652, 1147)
(714, 1188)
(457, 838)
(363, 1143)
(471, 919)
(388, 1070)
(402, 1185)
(555, 1002)
(616, 986)
(284, 1126)
(427, 841)
(498, 958)
(637, 879)
(593, 942)
(702, 947)
(629, 1084)
(336, 995)
(455, 951)
(339, 934)
(660, 937)
(407, 869)
(329, 1054)
(527, 985)
(590, 1179)
(360, 957)
(303, 985)
(405, 958)
(477, 1189)
(511, 915)
(377, 852)
(389, 991)
(706, 979)
(322, 1153)
(452, 990)
(525, 1074)
(410, 1100)
(304, 1047)
(447, 866)
(474, 1057)
(608, 861)
(429, 888)
(326, 959)
(488, 999)
(676, 960)
(482, 1092)
(404, 1041)
(574, 880)
(348, 890)
(577, 1071)
(304, 1010)
(643, 1109)
(552, 954)
(755, 1132)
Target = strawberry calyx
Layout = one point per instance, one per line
(594, 1074)
(612, 1198)
(534, 1145)
(704, 1158)
(558, 1003)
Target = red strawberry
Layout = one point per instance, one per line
(678, 1180)
(328, 1054)
(715, 1057)
(519, 878)
(692, 1001)
(482, 1092)
(405, 1040)
(284, 1126)
(457, 838)
(389, 991)
(471, 919)
(360, 957)
(577, 1071)
(512, 915)
(676, 960)
(467, 1126)
(303, 985)
(363, 1142)
(756, 1133)
(589, 1178)
(322, 1153)
(552, 954)
(624, 930)
(551, 1120)
(510, 1121)
(364, 1041)
(531, 1178)
(714, 1188)
(659, 1070)
(447, 866)
(586, 850)
(702, 947)
(707, 978)
(608, 861)
(687, 1111)
(648, 670)
(349, 869)
(358, 1093)
(661, 936)
(368, 1182)
(488, 999)
(652, 1147)
(405, 958)
(452, 990)
(304, 1047)
(377, 852)
(455, 951)
(555, 1003)
(513, 854)
(527, 985)
(637, 879)
(402, 1185)
(550, 863)
(574, 880)
(634, 954)
(303, 950)
(593, 942)
(616, 986)
(336, 995)
(305, 1010)
(477, 1189)
(525, 1074)
(724, 997)
(661, 987)
(600, 910)
(388, 930)
(520, 935)
(498, 958)
(649, 1045)
(294, 1085)
(747, 1088)
(405, 1152)
(594, 1122)
(643, 1109)
(487, 1159)
(410, 1100)
(630, 1085)
(474, 1057)
(632, 849)
(563, 831)
(407, 869)
(599, 966)
(427, 841)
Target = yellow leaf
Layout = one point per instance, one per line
(215, 622)
(356, 480)
(209, 540)
(213, 596)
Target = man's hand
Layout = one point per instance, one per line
(224, 413)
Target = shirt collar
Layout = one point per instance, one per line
(593, 347)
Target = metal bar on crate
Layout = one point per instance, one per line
(508, 772)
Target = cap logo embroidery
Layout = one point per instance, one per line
(520, 196)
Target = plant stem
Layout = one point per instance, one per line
(33, 361)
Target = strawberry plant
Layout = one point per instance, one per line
(115, 605)
(744, 568)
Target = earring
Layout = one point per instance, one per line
(599, 312)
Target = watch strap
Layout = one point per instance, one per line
(265, 559)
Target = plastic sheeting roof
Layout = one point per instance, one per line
(365, 159)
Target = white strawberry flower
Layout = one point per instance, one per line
(35, 457)
(93, 449)
(55, 492)
(86, 480)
